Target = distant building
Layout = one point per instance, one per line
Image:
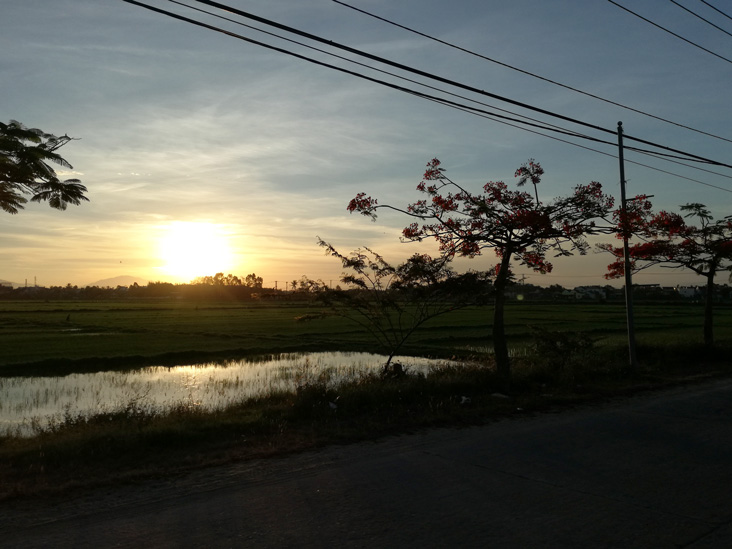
(595, 293)
(688, 292)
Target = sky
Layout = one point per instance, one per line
(203, 153)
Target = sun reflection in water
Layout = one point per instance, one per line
(43, 400)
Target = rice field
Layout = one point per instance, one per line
(34, 332)
(55, 357)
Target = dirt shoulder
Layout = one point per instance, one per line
(560, 478)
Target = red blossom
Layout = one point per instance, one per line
(362, 203)
(668, 239)
(412, 231)
(513, 223)
(433, 170)
(494, 190)
(469, 249)
(530, 170)
(444, 203)
(537, 261)
(667, 223)
(616, 269)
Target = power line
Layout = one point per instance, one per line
(444, 80)
(528, 73)
(667, 159)
(678, 176)
(603, 153)
(545, 125)
(397, 65)
(670, 32)
(474, 110)
(465, 108)
(715, 9)
(443, 101)
(470, 110)
(700, 17)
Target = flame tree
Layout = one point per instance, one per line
(392, 302)
(517, 226)
(667, 239)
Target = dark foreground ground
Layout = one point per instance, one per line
(648, 471)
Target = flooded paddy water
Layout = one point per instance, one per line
(28, 403)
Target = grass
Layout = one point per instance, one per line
(551, 370)
(97, 335)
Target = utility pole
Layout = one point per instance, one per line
(626, 255)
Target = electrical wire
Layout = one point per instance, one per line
(443, 101)
(700, 17)
(474, 110)
(678, 176)
(715, 9)
(671, 32)
(471, 110)
(450, 82)
(528, 73)
(544, 124)
(627, 161)
(667, 159)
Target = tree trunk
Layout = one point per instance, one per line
(500, 345)
(709, 311)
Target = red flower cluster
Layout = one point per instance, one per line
(433, 170)
(529, 219)
(412, 231)
(494, 190)
(537, 262)
(666, 223)
(530, 170)
(510, 222)
(445, 204)
(362, 203)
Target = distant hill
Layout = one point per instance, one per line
(8, 283)
(119, 281)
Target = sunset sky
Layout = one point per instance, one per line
(204, 153)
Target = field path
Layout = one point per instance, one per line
(649, 471)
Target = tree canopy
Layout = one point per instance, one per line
(391, 302)
(669, 240)
(26, 155)
(517, 226)
(253, 281)
(219, 279)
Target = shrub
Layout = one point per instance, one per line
(562, 355)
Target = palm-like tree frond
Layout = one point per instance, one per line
(60, 194)
(25, 158)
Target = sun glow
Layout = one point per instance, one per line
(192, 249)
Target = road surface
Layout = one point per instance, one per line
(648, 471)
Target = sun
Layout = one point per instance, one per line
(192, 249)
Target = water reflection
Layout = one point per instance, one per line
(211, 386)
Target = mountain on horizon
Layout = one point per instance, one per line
(124, 280)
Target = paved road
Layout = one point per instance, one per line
(652, 471)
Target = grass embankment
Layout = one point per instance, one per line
(137, 442)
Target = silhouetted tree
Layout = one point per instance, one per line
(219, 279)
(25, 158)
(253, 281)
(391, 303)
(666, 239)
(515, 225)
